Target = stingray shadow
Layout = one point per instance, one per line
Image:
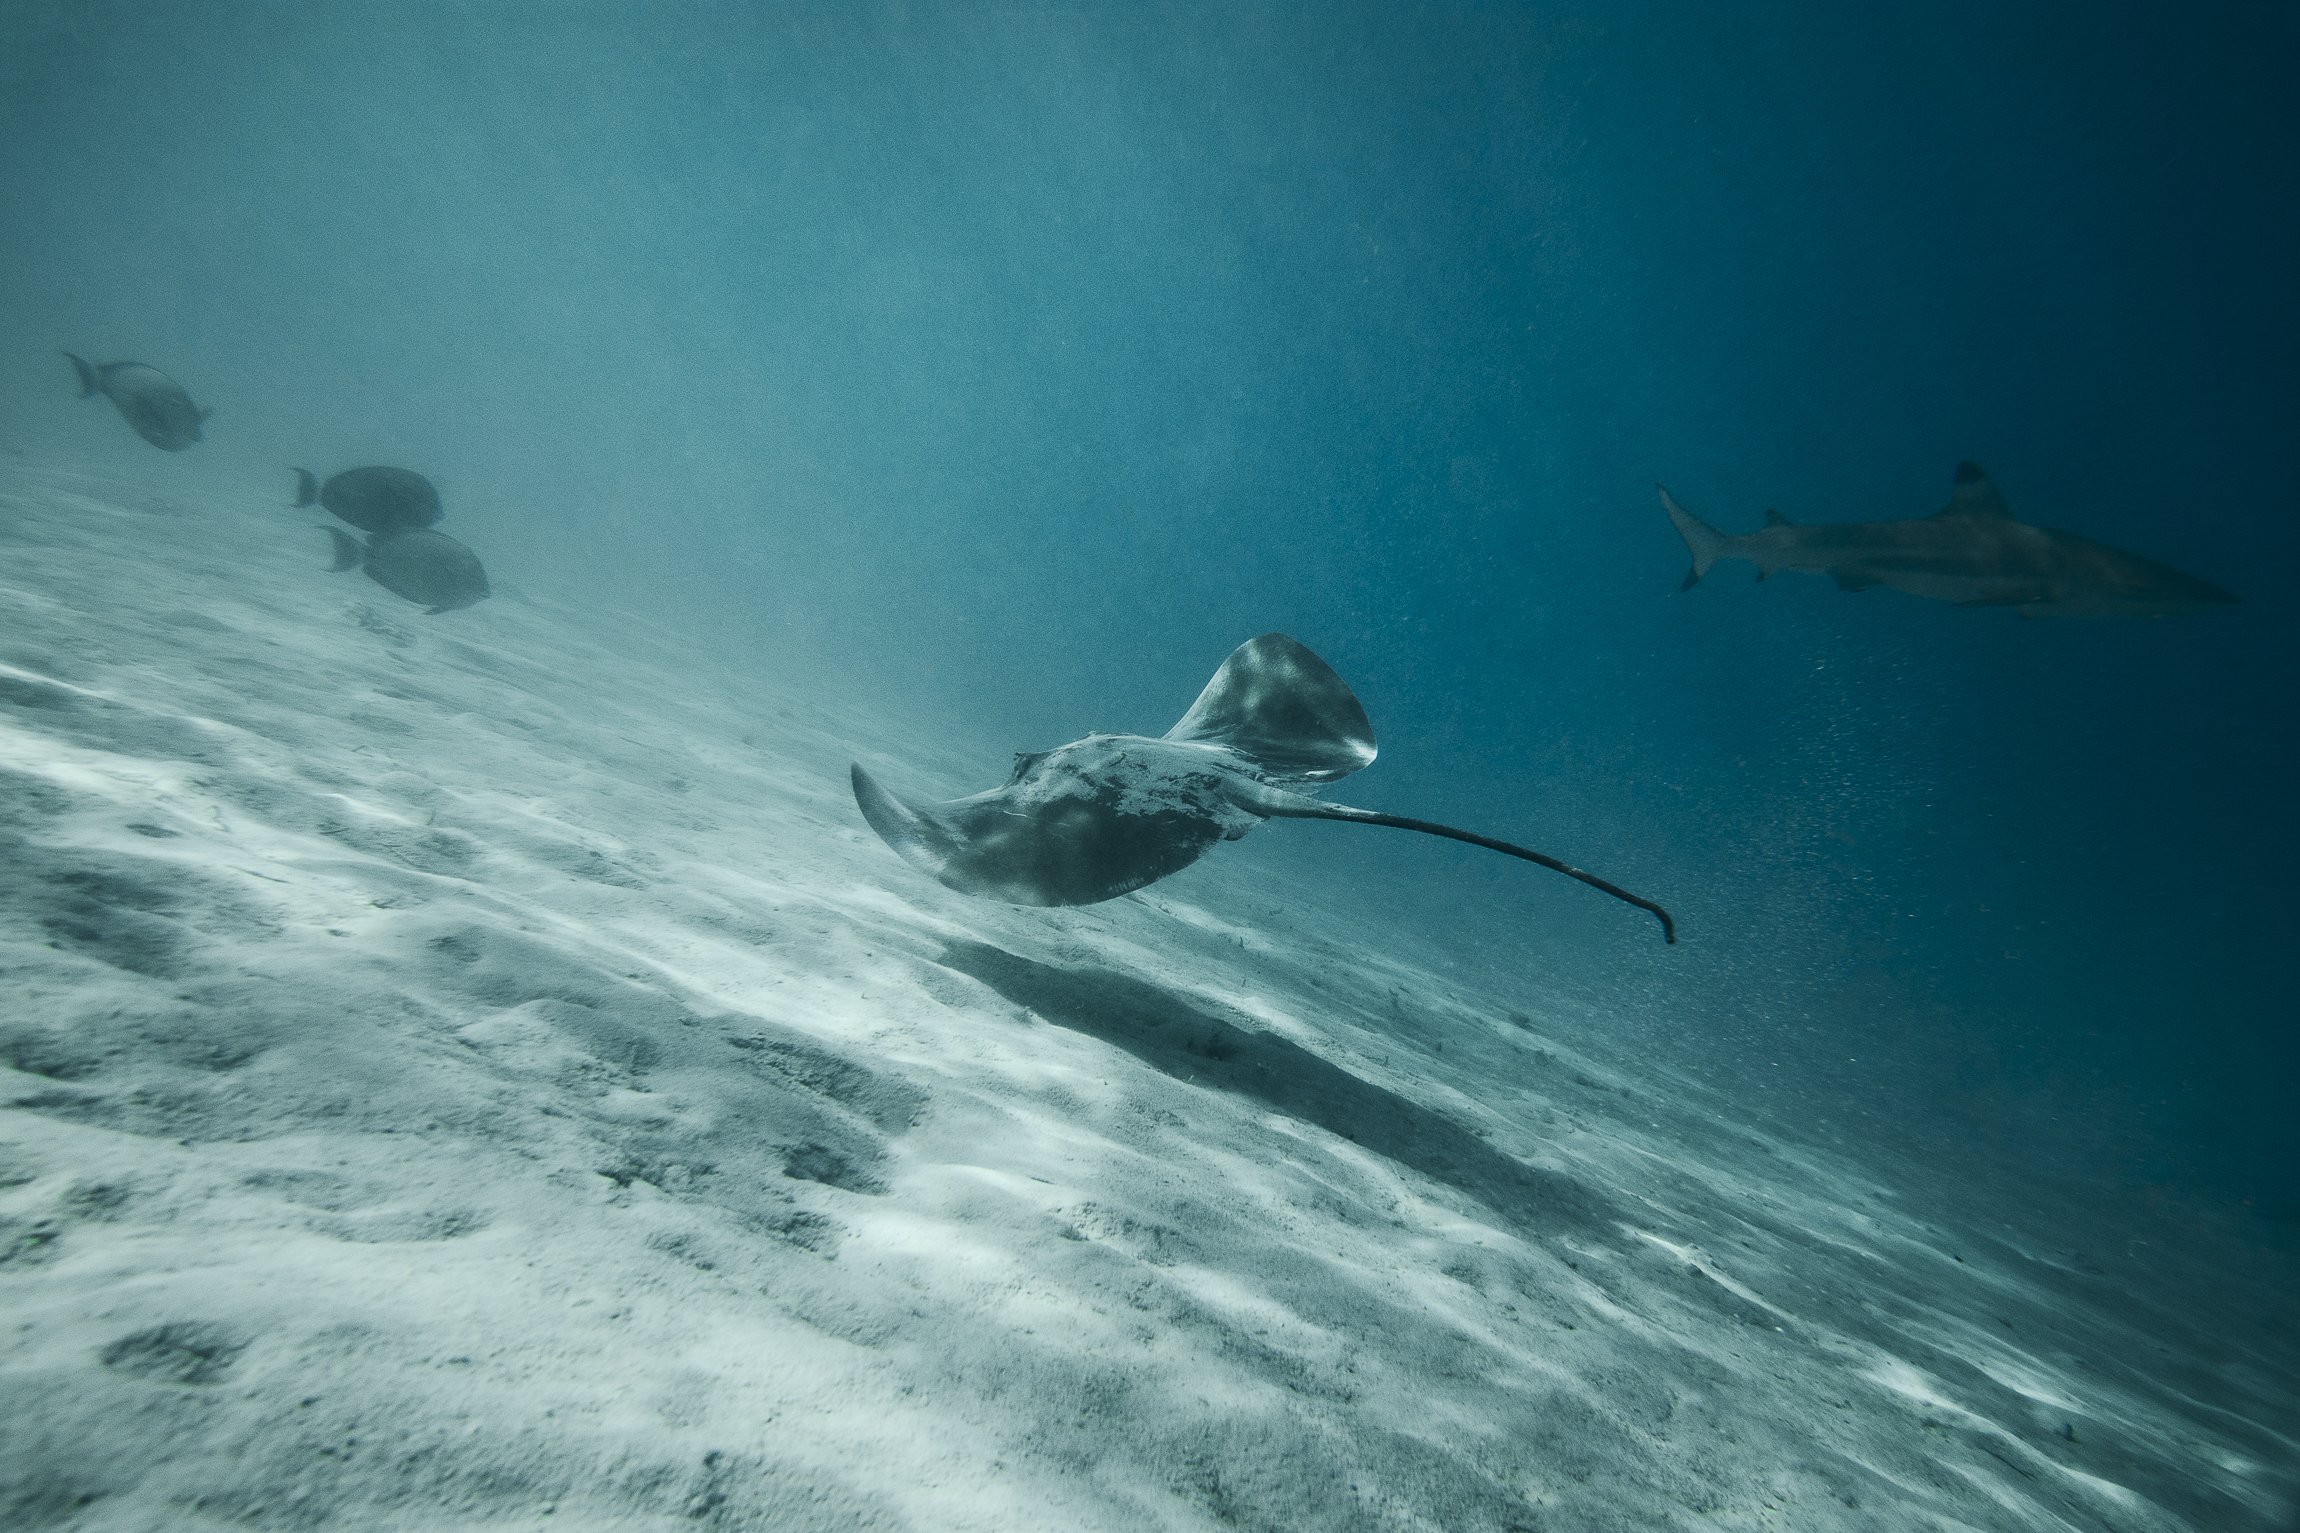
(1171, 1035)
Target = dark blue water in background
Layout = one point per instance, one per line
(1007, 365)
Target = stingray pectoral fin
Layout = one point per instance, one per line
(1277, 703)
(1300, 808)
(916, 836)
(987, 845)
(1039, 843)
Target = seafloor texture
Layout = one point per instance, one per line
(479, 1072)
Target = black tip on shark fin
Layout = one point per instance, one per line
(1774, 518)
(306, 487)
(1975, 494)
(90, 379)
(1276, 702)
(1692, 579)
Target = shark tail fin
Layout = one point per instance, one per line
(1704, 542)
(306, 487)
(90, 379)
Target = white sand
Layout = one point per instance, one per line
(479, 1072)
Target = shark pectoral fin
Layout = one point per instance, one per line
(1762, 572)
(1277, 703)
(1774, 518)
(1848, 581)
(349, 551)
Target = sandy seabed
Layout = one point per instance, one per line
(478, 1072)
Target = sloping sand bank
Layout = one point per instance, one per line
(479, 1072)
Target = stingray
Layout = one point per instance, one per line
(1108, 814)
(373, 499)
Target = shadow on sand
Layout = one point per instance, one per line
(1169, 1034)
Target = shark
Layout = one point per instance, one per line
(1972, 552)
(1107, 814)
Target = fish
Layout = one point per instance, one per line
(1111, 813)
(147, 399)
(1971, 553)
(428, 568)
(373, 499)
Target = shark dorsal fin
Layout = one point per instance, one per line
(1774, 518)
(1975, 494)
(1276, 702)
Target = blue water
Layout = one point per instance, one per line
(1006, 366)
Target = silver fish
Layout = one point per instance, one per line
(373, 499)
(428, 568)
(147, 399)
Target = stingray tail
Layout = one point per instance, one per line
(1705, 543)
(348, 550)
(1298, 807)
(306, 487)
(90, 379)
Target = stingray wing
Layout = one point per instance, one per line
(1028, 847)
(1278, 704)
